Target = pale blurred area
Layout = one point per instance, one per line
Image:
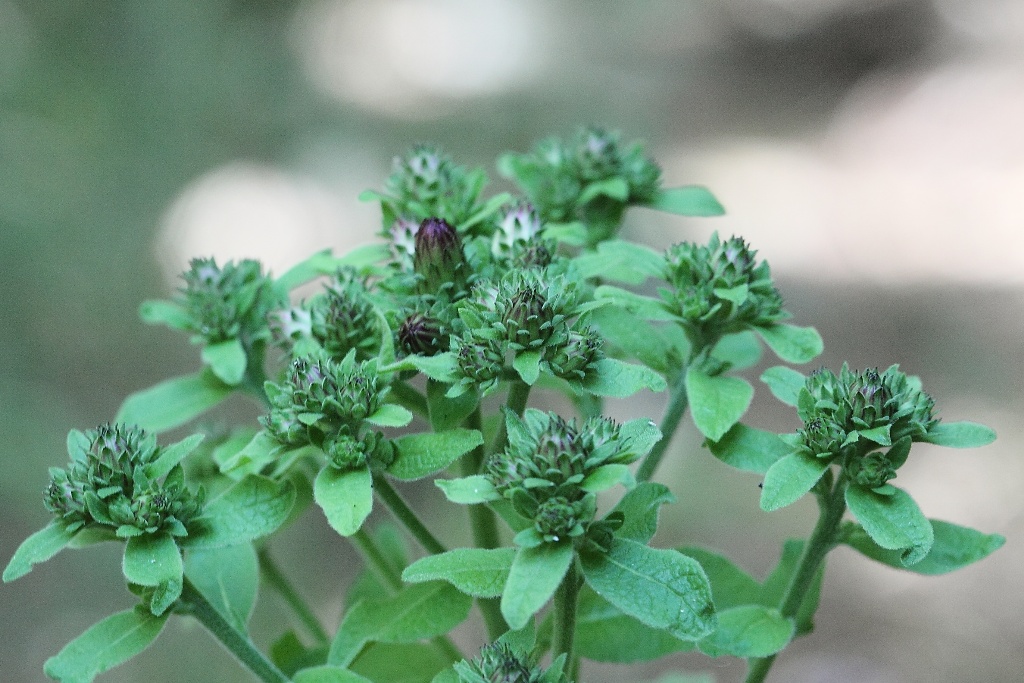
(871, 150)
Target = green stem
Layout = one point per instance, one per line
(410, 398)
(376, 560)
(233, 640)
(518, 395)
(276, 578)
(565, 606)
(823, 539)
(255, 376)
(673, 416)
(404, 514)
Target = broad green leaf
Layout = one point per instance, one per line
(229, 578)
(690, 200)
(778, 581)
(605, 634)
(468, 490)
(960, 435)
(716, 403)
(748, 631)
(39, 547)
(620, 261)
(174, 402)
(643, 307)
(791, 343)
(789, 478)
(448, 413)
(893, 521)
(527, 364)
(104, 645)
(162, 312)
(740, 350)
(955, 547)
(346, 497)
(401, 663)
(730, 585)
(574, 234)
(474, 571)
(615, 188)
(261, 450)
(785, 383)
(443, 367)
(662, 588)
(749, 449)
(607, 476)
(533, 579)
(251, 508)
(640, 435)
(423, 610)
(154, 560)
(611, 377)
(172, 455)
(420, 455)
(324, 263)
(227, 360)
(636, 338)
(640, 507)
(390, 415)
(328, 674)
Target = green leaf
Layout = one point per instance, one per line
(174, 402)
(690, 200)
(328, 674)
(955, 547)
(740, 350)
(791, 343)
(154, 560)
(527, 364)
(533, 579)
(474, 571)
(390, 415)
(640, 507)
(643, 307)
(104, 645)
(749, 449)
(605, 634)
(620, 261)
(401, 663)
(607, 476)
(639, 436)
(162, 312)
(469, 490)
(893, 521)
(423, 610)
(324, 263)
(636, 338)
(443, 367)
(748, 631)
(448, 413)
(227, 360)
(960, 435)
(229, 578)
(716, 403)
(730, 585)
(735, 295)
(574, 234)
(778, 581)
(420, 455)
(611, 377)
(789, 478)
(39, 547)
(346, 497)
(615, 188)
(662, 588)
(251, 508)
(172, 455)
(785, 383)
(261, 450)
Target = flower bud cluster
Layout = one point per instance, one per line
(518, 225)
(343, 318)
(229, 302)
(108, 483)
(427, 184)
(721, 288)
(499, 663)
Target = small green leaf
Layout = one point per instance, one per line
(960, 435)
(748, 631)
(893, 521)
(791, 343)
(420, 455)
(640, 507)
(172, 455)
(730, 585)
(879, 435)
(662, 588)
(443, 367)
(390, 415)
(474, 571)
(620, 261)
(174, 402)
(605, 634)
(734, 295)
(636, 338)
(402, 663)
(533, 579)
(691, 200)
(789, 478)
(785, 383)
(955, 547)
(251, 508)
(39, 547)
(740, 350)
(643, 307)
(228, 577)
(749, 449)
(574, 234)
(615, 188)
(346, 497)
(716, 403)
(104, 645)
(326, 673)
(469, 490)
(227, 360)
(162, 312)
(611, 377)
(448, 413)
(607, 476)
(154, 560)
(527, 364)
(261, 450)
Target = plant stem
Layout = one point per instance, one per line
(255, 376)
(832, 508)
(404, 514)
(276, 578)
(233, 640)
(673, 416)
(410, 398)
(376, 560)
(518, 395)
(565, 604)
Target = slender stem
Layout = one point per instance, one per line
(410, 398)
(255, 375)
(566, 601)
(231, 638)
(376, 560)
(518, 395)
(822, 540)
(275, 577)
(404, 514)
(673, 416)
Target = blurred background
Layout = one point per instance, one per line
(872, 151)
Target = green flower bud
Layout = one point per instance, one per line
(872, 470)
(343, 319)
(642, 175)
(346, 452)
(230, 302)
(481, 359)
(558, 518)
(439, 259)
(597, 154)
(422, 334)
(519, 224)
(426, 184)
(497, 663)
(533, 309)
(822, 437)
(581, 350)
